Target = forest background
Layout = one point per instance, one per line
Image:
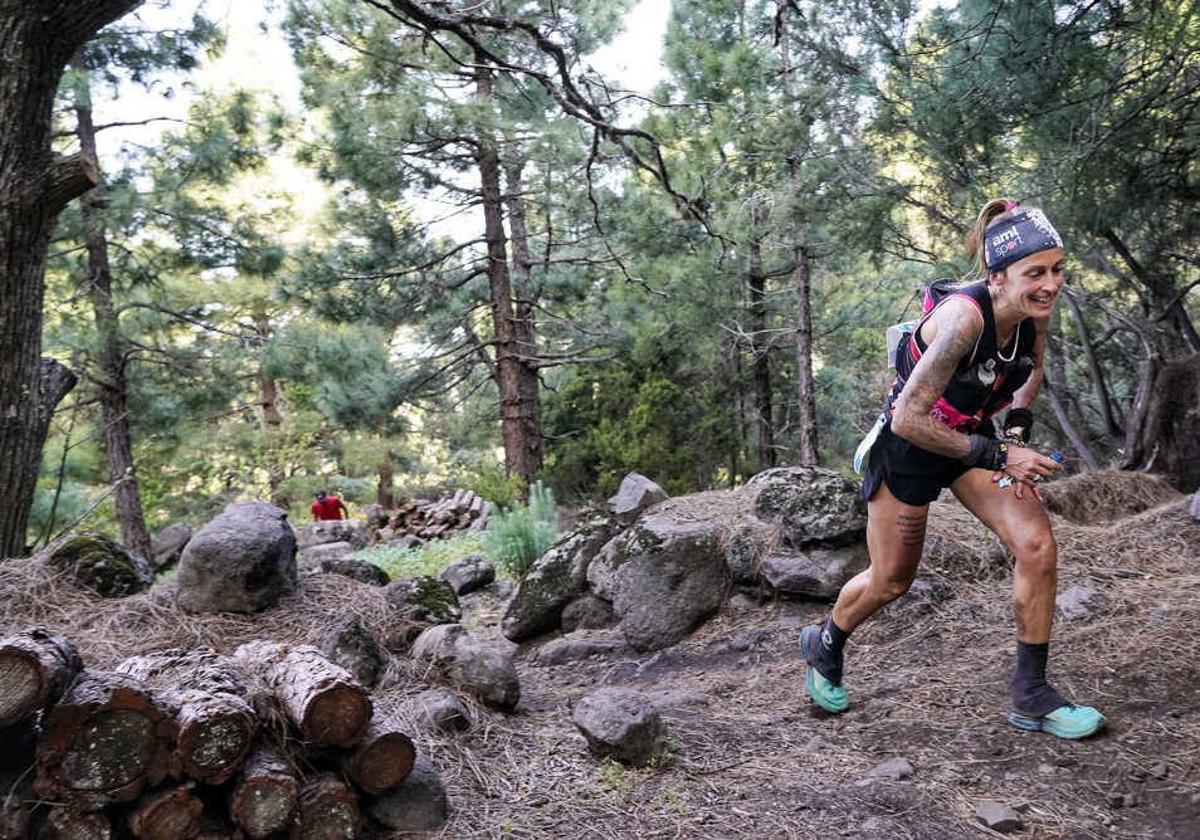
(464, 257)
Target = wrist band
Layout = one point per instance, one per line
(986, 452)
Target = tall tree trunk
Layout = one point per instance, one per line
(110, 381)
(806, 403)
(524, 326)
(760, 345)
(508, 364)
(383, 495)
(36, 42)
(271, 418)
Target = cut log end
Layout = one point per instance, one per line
(214, 749)
(67, 824)
(337, 717)
(166, 815)
(382, 762)
(112, 750)
(265, 798)
(20, 685)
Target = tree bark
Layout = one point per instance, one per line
(806, 404)
(170, 814)
(524, 323)
(324, 701)
(328, 810)
(507, 368)
(383, 759)
(271, 417)
(36, 667)
(110, 381)
(216, 721)
(760, 345)
(384, 495)
(105, 742)
(36, 42)
(267, 794)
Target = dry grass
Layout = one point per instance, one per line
(750, 757)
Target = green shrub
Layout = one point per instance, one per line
(492, 483)
(428, 559)
(516, 537)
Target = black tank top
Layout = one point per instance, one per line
(985, 379)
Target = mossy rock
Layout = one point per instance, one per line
(425, 599)
(105, 567)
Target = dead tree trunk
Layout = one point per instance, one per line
(328, 810)
(169, 814)
(266, 796)
(524, 324)
(271, 418)
(324, 701)
(36, 667)
(384, 493)
(507, 368)
(383, 759)
(216, 721)
(36, 42)
(109, 379)
(105, 742)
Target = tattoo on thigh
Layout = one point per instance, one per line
(912, 529)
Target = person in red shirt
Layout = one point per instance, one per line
(328, 506)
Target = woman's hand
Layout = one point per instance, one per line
(1027, 466)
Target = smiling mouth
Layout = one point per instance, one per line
(1043, 300)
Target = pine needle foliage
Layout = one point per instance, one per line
(517, 536)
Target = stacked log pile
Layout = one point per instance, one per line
(273, 741)
(460, 512)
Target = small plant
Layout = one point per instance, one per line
(516, 537)
(428, 559)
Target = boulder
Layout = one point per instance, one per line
(418, 804)
(359, 570)
(557, 577)
(468, 574)
(244, 560)
(440, 708)
(587, 612)
(353, 531)
(166, 545)
(314, 555)
(482, 671)
(95, 562)
(816, 572)
(812, 506)
(998, 817)
(572, 649)
(635, 494)
(375, 515)
(621, 724)
(352, 646)
(424, 600)
(664, 576)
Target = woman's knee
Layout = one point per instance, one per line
(888, 589)
(1036, 552)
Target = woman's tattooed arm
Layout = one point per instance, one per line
(957, 331)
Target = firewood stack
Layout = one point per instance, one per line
(463, 510)
(187, 744)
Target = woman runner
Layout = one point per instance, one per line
(977, 351)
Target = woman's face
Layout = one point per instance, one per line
(1031, 285)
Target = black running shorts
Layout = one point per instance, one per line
(914, 475)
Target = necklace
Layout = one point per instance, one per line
(1016, 340)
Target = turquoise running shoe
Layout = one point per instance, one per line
(1071, 722)
(832, 698)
